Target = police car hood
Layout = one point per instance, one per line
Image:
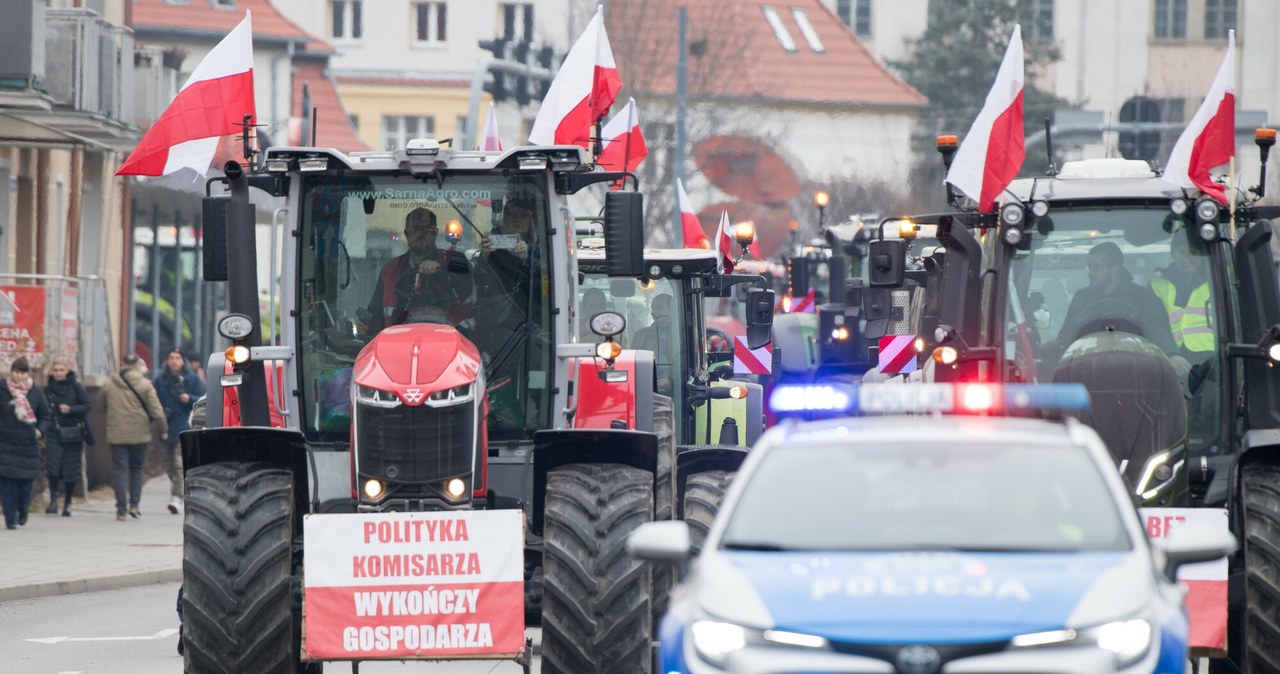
(936, 597)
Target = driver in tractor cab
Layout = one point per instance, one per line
(1112, 294)
(657, 338)
(418, 286)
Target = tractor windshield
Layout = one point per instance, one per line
(469, 251)
(654, 310)
(1143, 272)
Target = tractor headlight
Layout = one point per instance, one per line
(1207, 210)
(455, 488)
(1274, 353)
(1157, 474)
(373, 489)
(376, 397)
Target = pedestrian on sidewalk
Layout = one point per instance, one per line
(178, 388)
(131, 407)
(64, 447)
(24, 420)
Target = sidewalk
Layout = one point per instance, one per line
(90, 551)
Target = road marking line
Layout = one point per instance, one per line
(57, 640)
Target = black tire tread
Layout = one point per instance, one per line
(237, 566)
(596, 611)
(703, 494)
(1260, 493)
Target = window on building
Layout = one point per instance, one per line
(515, 21)
(398, 130)
(347, 21)
(1171, 19)
(862, 18)
(806, 29)
(354, 120)
(223, 4)
(1036, 17)
(1219, 17)
(432, 21)
(460, 127)
(779, 29)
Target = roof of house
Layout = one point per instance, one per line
(777, 50)
(204, 17)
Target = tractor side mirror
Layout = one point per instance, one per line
(888, 263)
(624, 233)
(214, 250)
(759, 317)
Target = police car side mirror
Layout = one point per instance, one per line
(1195, 543)
(660, 542)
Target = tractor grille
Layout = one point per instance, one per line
(415, 444)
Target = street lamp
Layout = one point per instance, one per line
(821, 199)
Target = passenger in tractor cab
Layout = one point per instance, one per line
(1184, 290)
(659, 339)
(1113, 299)
(419, 286)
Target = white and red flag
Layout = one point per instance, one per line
(489, 140)
(581, 93)
(690, 228)
(1210, 138)
(212, 104)
(992, 152)
(805, 305)
(623, 144)
(724, 243)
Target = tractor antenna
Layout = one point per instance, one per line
(244, 137)
(315, 112)
(1048, 146)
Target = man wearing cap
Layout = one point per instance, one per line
(417, 287)
(1112, 294)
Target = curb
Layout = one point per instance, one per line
(98, 584)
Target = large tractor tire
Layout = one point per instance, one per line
(663, 576)
(1260, 493)
(237, 568)
(596, 611)
(702, 496)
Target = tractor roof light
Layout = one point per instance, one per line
(1179, 206)
(1012, 236)
(946, 142)
(821, 199)
(907, 229)
(1264, 138)
(1274, 352)
(533, 162)
(1039, 208)
(235, 326)
(744, 233)
(277, 165)
(1207, 210)
(1013, 214)
(1208, 231)
(453, 231)
(313, 164)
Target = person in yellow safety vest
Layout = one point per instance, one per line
(1183, 290)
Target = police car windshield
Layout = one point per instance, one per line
(966, 496)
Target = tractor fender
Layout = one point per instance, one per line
(281, 447)
(693, 459)
(598, 403)
(552, 449)
(1256, 445)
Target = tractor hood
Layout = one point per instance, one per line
(416, 360)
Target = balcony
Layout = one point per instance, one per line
(71, 82)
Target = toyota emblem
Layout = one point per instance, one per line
(918, 659)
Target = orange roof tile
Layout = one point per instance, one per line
(200, 16)
(734, 53)
(333, 127)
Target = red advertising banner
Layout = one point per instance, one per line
(417, 585)
(70, 324)
(22, 324)
(1206, 583)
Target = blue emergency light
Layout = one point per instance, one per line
(838, 399)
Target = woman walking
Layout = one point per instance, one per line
(24, 419)
(64, 448)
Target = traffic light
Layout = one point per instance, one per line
(496, 84)
(522, 88)
(1143, 145)
(547, 59)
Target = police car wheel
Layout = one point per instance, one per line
(237, 565)
(702, 496)
(596, 611)
(1260, 492)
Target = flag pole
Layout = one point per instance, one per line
(1231, 195)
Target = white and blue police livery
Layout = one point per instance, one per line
(927, 545)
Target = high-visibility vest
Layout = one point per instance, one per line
(1190, 324)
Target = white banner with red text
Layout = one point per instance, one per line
(1206, 582)
(414, 585)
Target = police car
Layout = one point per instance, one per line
(925, 544)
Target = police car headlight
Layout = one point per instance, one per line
(1129, 640)
(713, 641)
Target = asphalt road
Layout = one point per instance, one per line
(136, 630)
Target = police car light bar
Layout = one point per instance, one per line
(897, 398)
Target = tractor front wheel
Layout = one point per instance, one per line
(703, 494)
(1260, 493)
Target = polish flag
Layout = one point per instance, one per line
(581, 93)
(624, 146)
(992, 152)
(690, 228)
(212, 104)
(805, 305)
(1210, 137)
(489, 141)
(724, 243)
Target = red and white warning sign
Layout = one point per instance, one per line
(1206, 582)
(752, 361)
(897, 354)
(417, 585)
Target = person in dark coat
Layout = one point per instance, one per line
(24, 420)
(64, 448)
(178, 389)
